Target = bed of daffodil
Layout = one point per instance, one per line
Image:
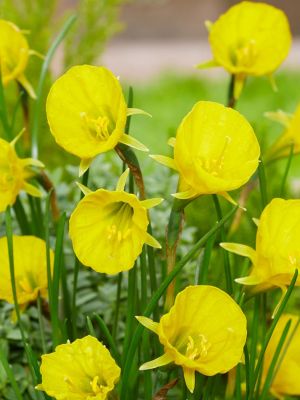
(180, 339)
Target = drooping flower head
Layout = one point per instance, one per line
(14, 55)
(87, 113)
(277, 253)
(215, 151)
(14, 173)
(82, 370)
(286, 380)
(109, 228)
(249, 39)
(204, 331)
(30, 267)
(290, 136)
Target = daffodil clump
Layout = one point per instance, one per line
(85, 268)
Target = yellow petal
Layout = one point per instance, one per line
(137, 111)
(27, 86)
(131, 142)
(241, 250)
(249, 280)
(122, 181)
(149, 203)
(207, 64)
(148, 323)
(189, 377)
(189, 194)
(172, 141)
(158, 362)
(256, 221)
(85, 190)
(32, 162)
(150, 241)
(279, 116)
(239, 81)
(32, 190)
(14, 141)
(164, 160)
(84, 165)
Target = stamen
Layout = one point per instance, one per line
(214, 166)
(98, 127)
(199, 349)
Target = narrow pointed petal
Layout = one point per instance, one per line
(158, 362)
(14, 141)
(207, 64)
(172, 141)
(256, 221)
(279, 116)
(137, 111)
(239, 82)
(27, 86)
(189, 377)
(148, 323)
(186, 195)
(164, 160)
(32, 190)
(227, 196)
(208, 25)
(37, 54)
(85, 190)
(84, 165)
(122, 181)
(149, 203)
(273, 83)
(131, 142)
(249, 280)
(240, 249)
(283, 293)
(150, 241)
(32, 162)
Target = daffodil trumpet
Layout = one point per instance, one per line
(250, 39)
(87, 113)
(108, 229)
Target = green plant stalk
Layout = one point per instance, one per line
(271, 330)
(286, 171)
(22, 217)
(39, 104)
(84, 181)
(90, 327)
(33, 365)
(204, 265)
(3, 113)
(47, 240)
(254, 339)
(263, 184)
(10, 375)
(41, 324)
(270, 374)
(228, 277)
(117, 310)
(58, 257)
(108, 337)
(247, 370)
(129, 356)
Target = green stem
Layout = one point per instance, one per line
(262, 184)
(204, 265)
(230, 96)
(286, 171)
(41, 324)
(228, 277)
(107, 336)
(3, 113)
(129, 356)
(117, 310)
(39, 103)
(22, 217)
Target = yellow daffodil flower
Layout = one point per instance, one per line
(286, 380)
(290, 136)
(14, 173)
(87, 113)
(277, 253)
(30, 269)
(249, 39)
(14, 55)
(82, 370)
(109, 228)
(204, 331)
(215, 151)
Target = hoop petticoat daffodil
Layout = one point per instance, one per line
(215, 151)
(277, 253)
(290, 136)
(204, 331)
(30, 267)
(249, 39)
(109, 228)
(14, 172)
(82, 370)
(286, 380)
(87, 113)
(14, 55)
